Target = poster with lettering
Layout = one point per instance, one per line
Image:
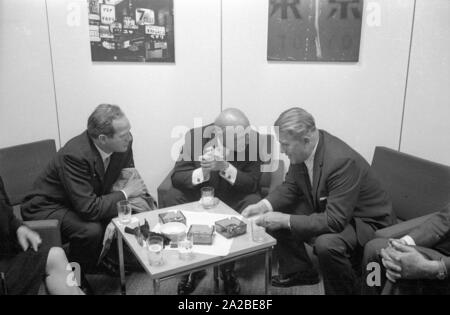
(314, 30)
(131, 30)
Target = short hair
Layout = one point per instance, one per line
(296, 122)
(100, 121)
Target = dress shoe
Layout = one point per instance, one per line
(188, 283)
(306, 277)
(230, 283)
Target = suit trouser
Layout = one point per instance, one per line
(176, 197)
(372, 255)
(339, 255)
(85, 239)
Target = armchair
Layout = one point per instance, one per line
(417, 187)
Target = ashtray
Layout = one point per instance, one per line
(231, 227)
(172, 216)
(209, 204)
(201, 234)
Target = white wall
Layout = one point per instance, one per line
(426, 129)
(358, 102)
(361, 103)
(155, 97)
(27, 102)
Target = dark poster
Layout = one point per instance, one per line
(314, 30)
(132, 30)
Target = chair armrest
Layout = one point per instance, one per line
(49, 231)
(163, 188)
(401, 229)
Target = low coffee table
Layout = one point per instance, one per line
(243, 246)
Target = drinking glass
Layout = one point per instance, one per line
(124, 211)
(155, 247)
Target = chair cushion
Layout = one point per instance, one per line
(21, 165)
(402, 228)
(416, 186)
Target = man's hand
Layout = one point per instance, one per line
(413, 264)
(135, 188)
(212, 161)
(274, 220)
(256, 209)
(391, 261)
(27, 237)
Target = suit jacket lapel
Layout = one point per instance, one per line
(317, 171)
(98, 162)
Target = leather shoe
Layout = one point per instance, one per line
(304, 277)
(188, 283)
(230, 283)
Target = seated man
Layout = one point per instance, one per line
(228, 166)
(25, 263)
(418, 263)
(75, 188)
(342, 205)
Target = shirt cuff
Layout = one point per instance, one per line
(197, 177)
(230, 174)
(125, 194)
(446, 261)
(408, 240)
(268, 205)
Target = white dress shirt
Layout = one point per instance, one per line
(106, 158)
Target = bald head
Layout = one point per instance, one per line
(232, 117)
(234, 126)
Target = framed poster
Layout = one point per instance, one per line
(314, 30)
(131, 30)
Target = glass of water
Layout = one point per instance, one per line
(207, 194)
(258, 232)
(155, 247)
(124, 211)
(185, 248)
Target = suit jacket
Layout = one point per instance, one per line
(435, 233)
(75, 180)
(344, 191)
(248, 168)
(8, 225)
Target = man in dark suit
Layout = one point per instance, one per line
(342, 204)
(75, 188)
(223, 156)
(418, 263)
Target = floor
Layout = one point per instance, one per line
(250, 272)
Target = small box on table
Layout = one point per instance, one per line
(172, 216)
(231, 227)
(201, 234)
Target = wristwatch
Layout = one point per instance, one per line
(442, 274)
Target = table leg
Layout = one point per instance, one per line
(156, 286)
(123, 285)
(216, 279)
(268, 270)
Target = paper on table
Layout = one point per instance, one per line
(221, 246)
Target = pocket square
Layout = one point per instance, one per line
(323, 198)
